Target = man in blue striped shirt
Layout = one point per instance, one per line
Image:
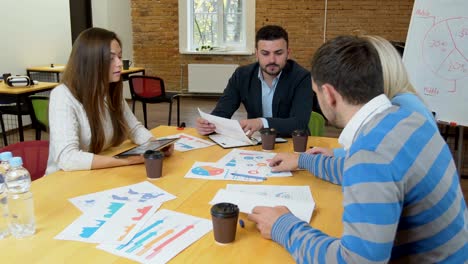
(402, 197)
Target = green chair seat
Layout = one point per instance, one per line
(316, 124)
(40, 105)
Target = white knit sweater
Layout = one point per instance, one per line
(70, 134)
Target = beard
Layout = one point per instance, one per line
(272, 71)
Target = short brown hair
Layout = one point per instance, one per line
(352, 66)
(271, 32)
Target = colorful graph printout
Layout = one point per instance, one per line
(140, 192)
(164, 236)
(247, 201)
(252, 163)
(213, 171)
(299, 193)
(187, 142)
(110, 222)
(207, 170)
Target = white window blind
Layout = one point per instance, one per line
(217, 26)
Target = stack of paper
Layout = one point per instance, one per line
(298, 199)
(110, 222)
(164, 235)
(187, 142)
(238, 165)
(125, 222)
(230, 133)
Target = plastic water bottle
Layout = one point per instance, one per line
(20, 200)
(4, 167)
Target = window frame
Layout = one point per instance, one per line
(186, 33)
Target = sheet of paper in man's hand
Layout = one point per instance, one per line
(227, 127)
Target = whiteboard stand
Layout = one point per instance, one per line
(435, 57)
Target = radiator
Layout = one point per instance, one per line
(209, 78)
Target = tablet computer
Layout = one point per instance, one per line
(228, 142)
(151, 145)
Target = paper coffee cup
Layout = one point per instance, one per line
(224, 217)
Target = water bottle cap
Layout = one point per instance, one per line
(5, 156)
(16, 161)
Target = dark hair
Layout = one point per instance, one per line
(87, 78)
(352, 66)
(271, 32)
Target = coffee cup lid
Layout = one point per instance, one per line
(153, 154)
(268, 131)
(224, 210)
(299, 132)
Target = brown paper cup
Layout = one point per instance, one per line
(300, 138)
(224, 217)
(153, 164)
(268, 138)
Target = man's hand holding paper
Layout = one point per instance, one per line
(223, 126)
(204, 127)
(251, 126)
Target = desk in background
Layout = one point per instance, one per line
(56, 71)
(54, 212)
(59, 68)
(21, 95)
(132, 70)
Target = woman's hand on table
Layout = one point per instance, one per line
(168, 150)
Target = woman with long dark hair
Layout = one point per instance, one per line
(87, 111)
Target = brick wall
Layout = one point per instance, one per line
(156, 39)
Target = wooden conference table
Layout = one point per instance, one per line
(59, 68)
(21, 94)
(54, 212)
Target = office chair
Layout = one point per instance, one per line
(4, 133)
(8, 107)
(151, 90)
(316, 124)
(40, 120)
(34, 154)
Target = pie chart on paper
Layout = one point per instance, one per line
(207, 171)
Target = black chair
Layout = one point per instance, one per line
(8, 107)
(149, 90)
(2, 126)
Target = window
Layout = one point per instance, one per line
(217, 26)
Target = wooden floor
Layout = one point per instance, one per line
(158, 115)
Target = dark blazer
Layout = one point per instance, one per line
(292, 101)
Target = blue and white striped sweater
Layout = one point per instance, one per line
(402, 199)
